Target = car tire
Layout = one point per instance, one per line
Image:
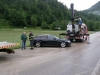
(63, 44)
(38, 44)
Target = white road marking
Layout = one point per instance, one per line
(96, 68)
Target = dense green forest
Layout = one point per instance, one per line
(46, 14)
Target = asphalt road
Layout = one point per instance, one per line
(80, 59)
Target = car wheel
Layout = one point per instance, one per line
(63, 44)
(38, 44)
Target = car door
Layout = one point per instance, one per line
(53, 41)
(44, 40)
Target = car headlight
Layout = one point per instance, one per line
(69, 41)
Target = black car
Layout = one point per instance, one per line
(50, 40)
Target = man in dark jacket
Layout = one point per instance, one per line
(31, 36)
(23, 38)
(80, 23)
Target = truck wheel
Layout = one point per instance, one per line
(76, 40)
(38, 44)
(81, 40)
(63, 44)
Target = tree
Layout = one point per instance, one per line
(33, 21)
(44, 25)
(55, 25)
(63, 24)
(32, 13)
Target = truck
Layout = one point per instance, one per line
(5, 47)
(75, 31)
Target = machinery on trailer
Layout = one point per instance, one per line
(75, 30)
(4, 47)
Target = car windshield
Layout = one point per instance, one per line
(56, 37)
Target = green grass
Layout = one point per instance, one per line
(13, 35)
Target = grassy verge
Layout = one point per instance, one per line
(13, 35)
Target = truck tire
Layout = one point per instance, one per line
(81, 40)
(77, 40)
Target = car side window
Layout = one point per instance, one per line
(45, 37)
(50, 37)
(38, 37)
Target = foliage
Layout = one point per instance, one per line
(95, 7)
(47, 14)
(91, 20)
(44, 25)
(32, 13)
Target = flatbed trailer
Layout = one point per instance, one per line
(5, 47)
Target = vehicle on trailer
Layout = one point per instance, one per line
(50, 40)
(76, 30)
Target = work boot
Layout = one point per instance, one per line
(31, 48)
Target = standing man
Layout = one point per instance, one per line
(80, 23)
(23, 38)
(31, 36)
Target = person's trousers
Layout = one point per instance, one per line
(31, 43)
(23, 44)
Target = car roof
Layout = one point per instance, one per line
(43, 34)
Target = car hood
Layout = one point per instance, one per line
(66, 40)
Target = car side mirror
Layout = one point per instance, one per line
(54, 38)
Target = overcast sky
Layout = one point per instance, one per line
(79, 4)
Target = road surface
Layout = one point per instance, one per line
(79, 59)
